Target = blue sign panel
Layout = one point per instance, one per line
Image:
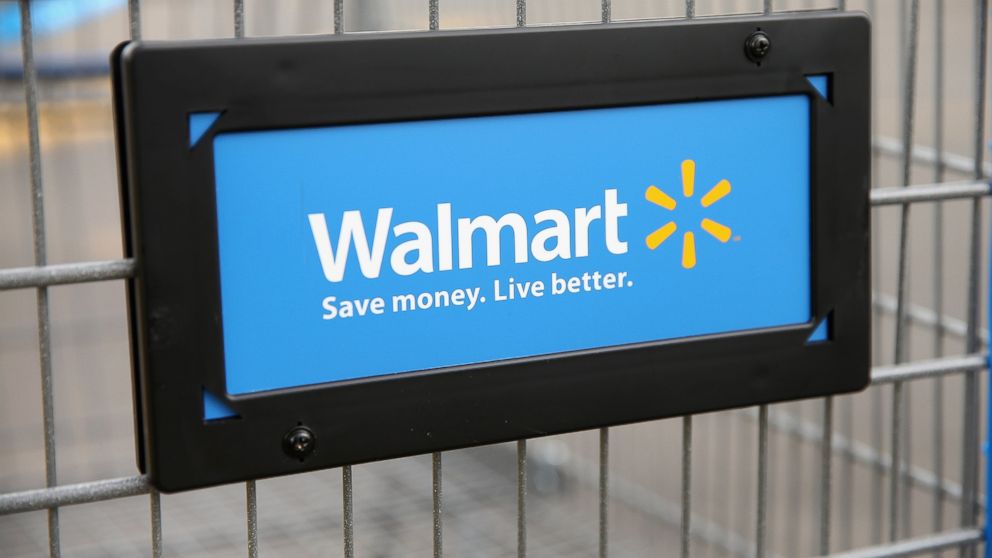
(472, 237)
(356, 251)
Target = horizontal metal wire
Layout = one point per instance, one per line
(924, 154)
(69, 494)
(918, 545)
(63, 274)
(929, 192)
(927, 368)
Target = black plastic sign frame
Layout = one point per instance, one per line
(170, 225)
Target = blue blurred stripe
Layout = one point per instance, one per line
(52, 16)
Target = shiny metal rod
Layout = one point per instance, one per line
(521, 498)
(40, 259)
(604, 491)
(686, 532)
(65, 274)
(347, 512)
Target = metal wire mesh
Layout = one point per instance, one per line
(867, 475)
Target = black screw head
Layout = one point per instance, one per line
(299, 442)
(757, 45)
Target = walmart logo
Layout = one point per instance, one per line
(443, 239)
(716, 230)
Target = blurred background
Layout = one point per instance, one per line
(302, 515)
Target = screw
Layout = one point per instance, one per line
(757, 46)
(299, 442)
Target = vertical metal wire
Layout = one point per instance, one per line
(903, 25)
(521, 498)
(762, 511)
(686, 485)
(251, 514)
(156, 513)
(759, 535)
(938, 271)
(969, 475)
(40, 258)
(338, 17)
(434, 23)
(878, 473)
(134, 18)
(251, 511)
(604, 433)
(521, 444)
(436, 483)
(348, 514)
(826, 453)
(898, 392)
(847, 470)
(434, 15)
(604, 490)
(155, 499)
(239, 18)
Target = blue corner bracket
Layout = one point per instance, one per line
(215, 408)
(199, 123)
(822, 331)
(820, 82)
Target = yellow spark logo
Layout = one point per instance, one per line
(661, 199)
